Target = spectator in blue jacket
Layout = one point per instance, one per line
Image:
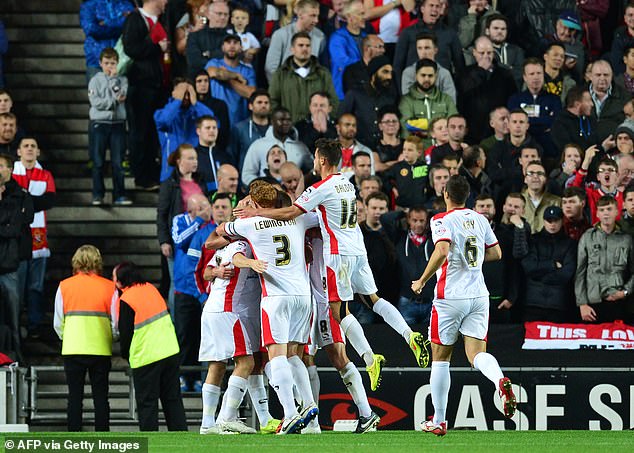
(345, 44)
(102, 22)
(4, 47)
(541, 107)
(176, 122)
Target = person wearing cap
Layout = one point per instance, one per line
(550, 268)
(301, 75)
(624, 137)
(567, 27)
(424, 100)
(365, 103)
(231, 80)
(538, 199)
(605, 267)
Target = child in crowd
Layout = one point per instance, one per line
(107, 93)
(250, 44)
(408, 177)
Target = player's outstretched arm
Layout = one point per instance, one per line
(437, 258)
(215, 242)
(239, 260)
(287, 213)
(493, 253)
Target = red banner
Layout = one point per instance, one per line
(547, 335)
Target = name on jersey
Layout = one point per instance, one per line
(271, 223)
(344, 188)
(468, 224)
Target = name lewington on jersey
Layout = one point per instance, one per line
(270, 223)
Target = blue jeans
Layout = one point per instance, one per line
(10, 306)
(414, 311)
(31, 275)
(104, 136)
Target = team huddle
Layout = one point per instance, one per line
(296, 266)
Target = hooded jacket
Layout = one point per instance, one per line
(431, 105)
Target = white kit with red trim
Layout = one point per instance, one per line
(469, 235)
(335, 200)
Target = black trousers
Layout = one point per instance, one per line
(159, 380)
(141, 103)
(187, 313)
(98, 367)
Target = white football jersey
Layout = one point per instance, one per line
(240, 293)
(469, 235)
(281, 244)
(335, 200)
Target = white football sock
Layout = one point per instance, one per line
(211, 395)
(440, 381)
(352, 379)
(302, 380)
(488, 365)
(354, 332)
(393, 317)
(315, 384)
(236, 388)
(259, 398)
(283, 379)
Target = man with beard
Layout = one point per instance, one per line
(201, 86)
(8, 131)
(482, 87)
(427, 47)
(298, 77)
(249, 130)
(450, 51)
(281, 133)
(504, 277)
(424, 100)
(364, 103)
(550, 269)
(356, 74)
(231, 80)
(507, 55)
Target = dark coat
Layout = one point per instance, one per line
(16, 214)
(382, 260)
(170, 205)
(146, 56)
(569, 128)
(546, 285)
(612, 112)
(202, 46)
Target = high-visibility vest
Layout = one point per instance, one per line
(154, 336)
(87, 301)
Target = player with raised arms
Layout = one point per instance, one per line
(347, 268)
(463, 241)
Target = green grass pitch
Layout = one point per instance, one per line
(379, 442)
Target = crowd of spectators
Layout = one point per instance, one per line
(530, 100)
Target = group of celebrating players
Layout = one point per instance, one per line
(261, 316)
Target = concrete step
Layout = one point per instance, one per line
(95, 214)
(42, 6)
(46, 34)
(70, 110)
(85, 183)
(28, 80)
(61, 95)
(17, 20)
(121, 245)
(55, 124)
(139, 198)
(51, 155)
(47, 64)
(105, 230)
(47, 50)
(74, 140)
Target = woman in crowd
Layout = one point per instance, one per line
(571, 160)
